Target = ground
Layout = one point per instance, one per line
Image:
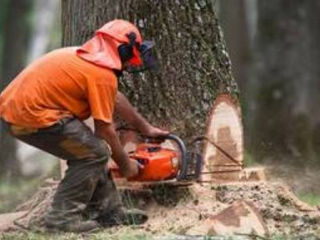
(176, 213)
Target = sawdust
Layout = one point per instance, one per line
(186, 214)
(180, 210)
(279, 209)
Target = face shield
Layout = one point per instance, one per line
(147, 55)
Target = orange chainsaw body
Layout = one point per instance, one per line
(157, 163)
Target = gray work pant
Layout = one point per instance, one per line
(87, 188)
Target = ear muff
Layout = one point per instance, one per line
(126, 49)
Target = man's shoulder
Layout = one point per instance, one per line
(68, 58)
(63, 51)
(56, 56)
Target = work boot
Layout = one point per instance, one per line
(123, 216)
(69, 223)
(77, 227)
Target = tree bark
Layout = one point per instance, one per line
(16, 35)
(195, 66)
(287, 119)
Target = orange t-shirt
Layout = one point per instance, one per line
(58, 85)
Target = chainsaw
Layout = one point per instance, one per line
(161, 163)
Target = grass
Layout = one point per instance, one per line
(311, 198)
(288, 237)
(125, 233)
(133, 234)
(249, 159)
(14, 193)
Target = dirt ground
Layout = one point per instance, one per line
(183, 210)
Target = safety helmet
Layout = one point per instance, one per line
(117, 42)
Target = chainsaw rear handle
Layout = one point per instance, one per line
(184, 156)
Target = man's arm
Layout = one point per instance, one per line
(131, 115)
(107, 132)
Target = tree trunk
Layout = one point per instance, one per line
(16, 33)
(195, 66)
(287, 117)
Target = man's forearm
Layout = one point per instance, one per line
(130, 114)
(108, 133)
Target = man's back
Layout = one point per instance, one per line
(57, 85)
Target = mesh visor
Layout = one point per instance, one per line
(148, 57)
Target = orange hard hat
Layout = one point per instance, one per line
(102, 49)
(119, 29)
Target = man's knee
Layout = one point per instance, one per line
(81, 142)
(102, 152)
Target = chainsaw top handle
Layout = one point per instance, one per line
(182, 147)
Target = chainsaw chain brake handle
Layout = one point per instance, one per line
(182, 175)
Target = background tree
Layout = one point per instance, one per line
(234, 21)
(195, 66)
(14, 48)
(287, 57)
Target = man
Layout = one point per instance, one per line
(46, 103)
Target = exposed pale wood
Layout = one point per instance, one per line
(225, 130)
(239, 218)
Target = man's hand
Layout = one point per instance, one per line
(127, 167)
(151, 131)
(131, 170)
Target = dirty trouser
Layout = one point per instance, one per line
(87, 187)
